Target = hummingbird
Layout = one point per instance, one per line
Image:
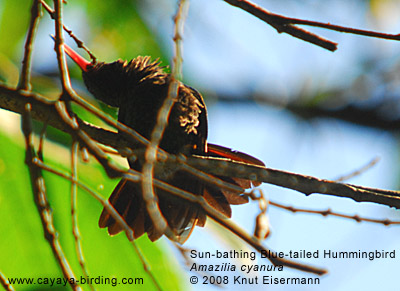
(138, 89)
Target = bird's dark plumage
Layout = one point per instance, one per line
(138, 88)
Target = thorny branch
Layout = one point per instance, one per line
(301, 183)
(329, 212)
(25, 77)
(59, 40)
(288, 25)
(74, 214)
(37, 180)
(43, 110)
(40, 198)
(288, 28)
(70, 33)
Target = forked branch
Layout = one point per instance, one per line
(288, 25)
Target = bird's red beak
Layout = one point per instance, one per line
(80, 61)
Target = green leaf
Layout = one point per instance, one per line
(26, 254)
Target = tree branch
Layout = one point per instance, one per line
(40, 198)
(329, 212)
(44, 110)
(25, 77)
(74, 212)
(288, 25)
(69, 31)
(280, 26)
(58, 47)
(301, 183)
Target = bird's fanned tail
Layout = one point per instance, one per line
(181, 215)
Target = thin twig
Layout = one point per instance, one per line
(189, 263)
(69, 31)
(262, 228)
(359, 171)
(58, 46)
(329, 212)
(25, 76)
(74, 213)
(149, 197)
(112, 170)
(40, 198)
(302, 183)
(5, 283)
(339, 28)
(294, 31)
(287, 24)
(257, 245)
(93, 193)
